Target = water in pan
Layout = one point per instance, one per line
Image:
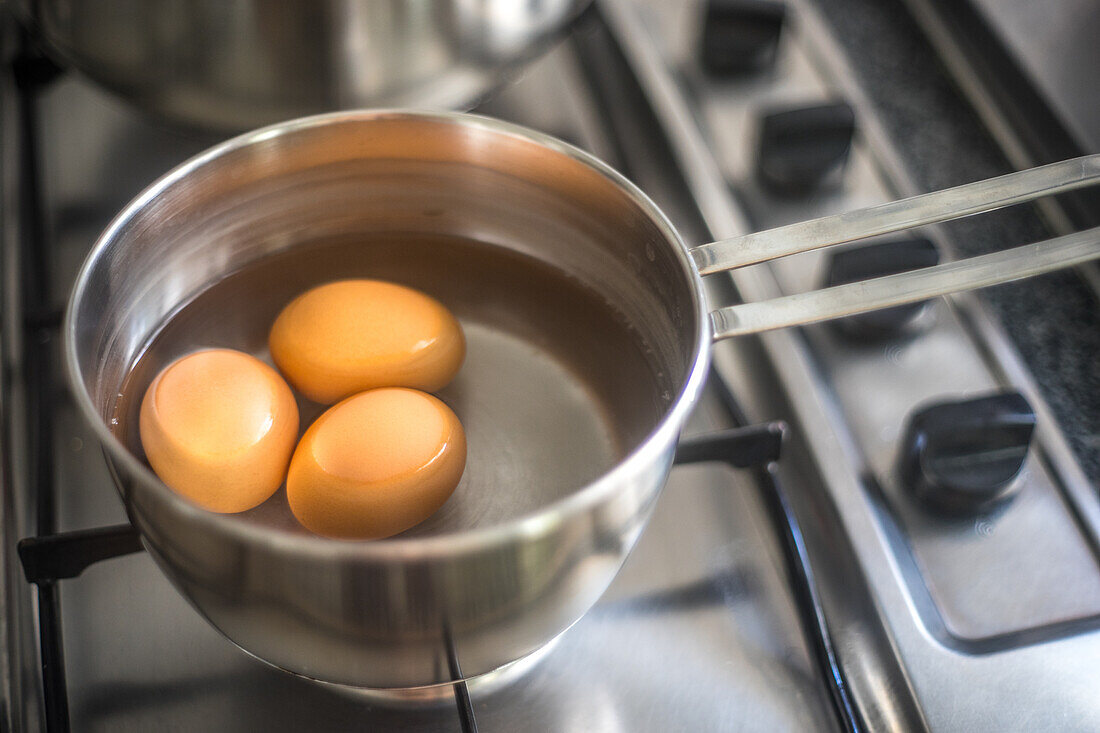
(555, 389)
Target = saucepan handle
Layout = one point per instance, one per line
(907, 287)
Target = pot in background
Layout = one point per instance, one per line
(240, 64)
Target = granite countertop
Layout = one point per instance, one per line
(1054, 320)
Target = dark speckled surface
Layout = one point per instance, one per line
(1054, 320)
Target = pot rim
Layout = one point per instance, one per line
(537, 523)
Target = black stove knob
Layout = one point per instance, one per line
(875, 260)
(804, 148)
(740, 36)
(963, 457)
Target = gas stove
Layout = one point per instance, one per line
(922, 553)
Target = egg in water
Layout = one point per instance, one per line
(218, 426)
(349, 336)
(376, 464)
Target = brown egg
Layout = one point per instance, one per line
(352, 335)
(218, 426)
(376, 464)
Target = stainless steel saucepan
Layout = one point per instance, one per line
(239, 64)
(588, 340)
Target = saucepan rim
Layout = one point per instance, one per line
(536, 523)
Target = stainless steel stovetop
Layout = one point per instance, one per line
(983, 620)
